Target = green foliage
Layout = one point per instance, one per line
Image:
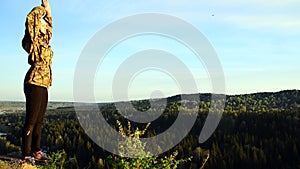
(141, 105)
(258, 131)
(133, 146)
(7, 147)
(56, 160)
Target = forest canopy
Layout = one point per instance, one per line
(260, 130)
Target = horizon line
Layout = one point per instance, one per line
(229, 94)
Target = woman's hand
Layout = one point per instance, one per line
(46, 5)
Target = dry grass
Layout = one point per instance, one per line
(15, 165)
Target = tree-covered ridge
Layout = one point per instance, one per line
(264, 102)
(260, 130)
(19, 106)
(257, 102)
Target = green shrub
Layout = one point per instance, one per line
(56, 160)
(132, 145)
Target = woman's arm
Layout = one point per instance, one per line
(48, 17)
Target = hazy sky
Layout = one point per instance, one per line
(257, 43)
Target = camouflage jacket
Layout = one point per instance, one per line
(36, 44)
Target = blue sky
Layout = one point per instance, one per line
(257, 43)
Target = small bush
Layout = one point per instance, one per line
(56, 160)
(133, 145)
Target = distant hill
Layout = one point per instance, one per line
(263, 101)
(19, 107)
(254, 102)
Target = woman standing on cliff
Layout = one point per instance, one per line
(38, 79)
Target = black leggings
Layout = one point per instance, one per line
(36, 104)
